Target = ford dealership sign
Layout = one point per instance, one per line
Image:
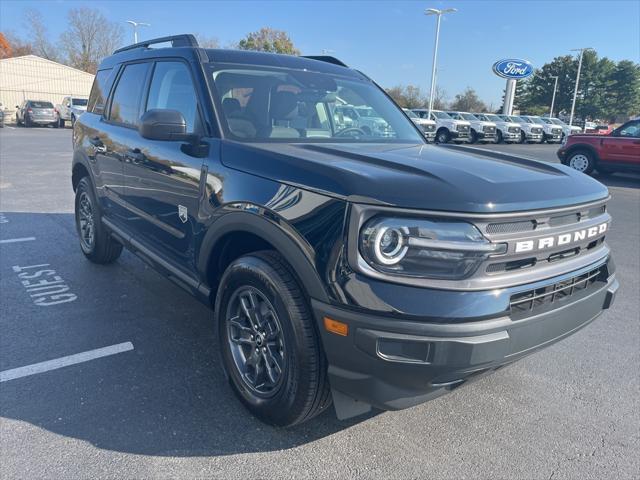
(513, 68)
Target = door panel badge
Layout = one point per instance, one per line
(182, 213)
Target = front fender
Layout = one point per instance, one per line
(276, 232)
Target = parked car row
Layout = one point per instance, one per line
(467, 127)
(41, 112)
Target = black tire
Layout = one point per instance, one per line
(101, 248)
(499, 137)
(473, 136)
(302, 389)
(581, 160)
(443, 136)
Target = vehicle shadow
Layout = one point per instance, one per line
(625, 180)
(167, 397)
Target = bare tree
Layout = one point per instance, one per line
(407, 96)
(439, 99)
(40, 36)
(89, 38)
(207, 42)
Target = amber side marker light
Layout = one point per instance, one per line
(334, 326)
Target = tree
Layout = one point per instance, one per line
(39, 36)
(13, 46)
(89, 38)
(468, 101)
(269, 40)
(626, 87)
(408, 96)
(439, 99)
(207, 42)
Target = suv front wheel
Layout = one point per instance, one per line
(581, 160)
(95, 241)
(268, 341)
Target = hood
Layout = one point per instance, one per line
(416, 176)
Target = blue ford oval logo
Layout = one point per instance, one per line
(513, 68)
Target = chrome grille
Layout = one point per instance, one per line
(514, 129)
(556, 131)
(462, 128)
(488, 129)
(524, 303)
(536, 130)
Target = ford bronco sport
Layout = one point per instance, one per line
(342, 267)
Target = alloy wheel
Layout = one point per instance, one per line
(86, 221)
(256, 341)
(579, 162)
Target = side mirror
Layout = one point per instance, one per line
(162, 124)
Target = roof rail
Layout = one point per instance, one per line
(326, 58)
(184, 40)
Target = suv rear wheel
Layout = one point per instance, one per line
(581, 160)
(268, 341)
(95, 241)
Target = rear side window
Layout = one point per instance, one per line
(125, 105)
(172, 89)
(99, 91)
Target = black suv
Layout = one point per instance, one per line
(367, 270)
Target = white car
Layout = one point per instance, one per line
(70, 109)
(447, 128)
(507, 131)
(529, 132)
(427, 126)
(550, 133)
(566, 129)
(481, 130)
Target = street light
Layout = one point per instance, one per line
(135, 26)
(575, 91)
(553, 98)
(439, 13)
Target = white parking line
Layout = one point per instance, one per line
(61, 362)
(16, 240)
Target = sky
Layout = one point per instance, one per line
(391, 41)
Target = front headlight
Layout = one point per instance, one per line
(434, 249)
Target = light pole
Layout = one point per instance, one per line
(135, 26)
(553, 98)
(575, 91)
(439, 13)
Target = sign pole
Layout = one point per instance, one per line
(509, 95)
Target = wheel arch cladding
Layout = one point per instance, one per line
(78, 171)
(236, 232)
(583, 147)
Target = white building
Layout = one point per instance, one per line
(34, 78)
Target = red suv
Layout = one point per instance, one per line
(618, 150)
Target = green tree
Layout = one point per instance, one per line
(626, 88)
(269, 40)
(468, 101)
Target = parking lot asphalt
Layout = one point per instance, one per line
(159, 406)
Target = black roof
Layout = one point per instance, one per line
(185, 46)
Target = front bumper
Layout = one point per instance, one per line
(486, 136)
(553, 137)
(533, 137)
(431, 136)
(510, 136)
(392, 363)
(458, 136)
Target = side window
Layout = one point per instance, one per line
(172, 88)
(100, 91)
(126, 98)
(630, 130)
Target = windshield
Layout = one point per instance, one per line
(546, 120)
(470, 117)
(494, 118)
(79, 102)
(537, 120)
(557, 121)
(410, 114)
(280, 104)
(440, 115)
(41, 104)
(517, 119)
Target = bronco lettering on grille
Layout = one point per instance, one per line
(559, 240)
